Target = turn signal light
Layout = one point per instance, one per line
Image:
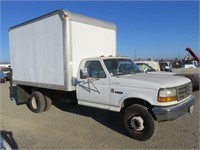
(167, 99)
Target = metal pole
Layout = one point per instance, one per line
(135, 55)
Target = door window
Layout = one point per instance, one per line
(94, 69)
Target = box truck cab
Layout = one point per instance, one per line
(60, 52)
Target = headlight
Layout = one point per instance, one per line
(167, 95)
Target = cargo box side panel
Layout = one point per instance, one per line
(91, 41)
(36, 52)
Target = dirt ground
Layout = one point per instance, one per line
(69, 126)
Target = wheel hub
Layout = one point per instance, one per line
(137, 123)
(34, 103)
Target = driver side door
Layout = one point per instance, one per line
(95, 89)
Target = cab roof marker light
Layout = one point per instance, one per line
(65, 15)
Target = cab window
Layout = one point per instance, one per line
(94, 69)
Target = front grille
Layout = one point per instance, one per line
(184, 91)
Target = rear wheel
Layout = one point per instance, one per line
(139, 123)
(36, 102)
(48, 103)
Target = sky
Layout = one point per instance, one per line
(145, 29)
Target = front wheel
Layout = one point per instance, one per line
(139, 123)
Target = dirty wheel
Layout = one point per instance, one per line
(139, 123)
(36, 102)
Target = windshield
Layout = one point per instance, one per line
(120, 66)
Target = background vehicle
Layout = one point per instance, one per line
(189, 69)
(165, 66)
(7, 73)
(154, 64)
(6, 69)
(61, 53)
(2, 77)
(188, 64)
(145, 67)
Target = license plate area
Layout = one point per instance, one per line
(191, 109)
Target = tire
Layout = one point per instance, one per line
(36, 102)
(48, 103)
(139, 123)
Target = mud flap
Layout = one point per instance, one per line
(19, 94)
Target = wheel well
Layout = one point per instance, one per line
(130, 101)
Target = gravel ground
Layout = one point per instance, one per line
(69, 126)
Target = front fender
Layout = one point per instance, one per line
(146, 98)
(121, 93)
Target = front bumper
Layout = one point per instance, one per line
(175, 111)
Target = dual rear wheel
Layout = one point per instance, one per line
(38, 102)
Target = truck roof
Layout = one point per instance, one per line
(106, 57)
(71, 16)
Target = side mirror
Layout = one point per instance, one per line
(83, 73)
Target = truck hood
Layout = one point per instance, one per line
(149, 80)
(162, 73)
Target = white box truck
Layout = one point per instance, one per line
(61, 55)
